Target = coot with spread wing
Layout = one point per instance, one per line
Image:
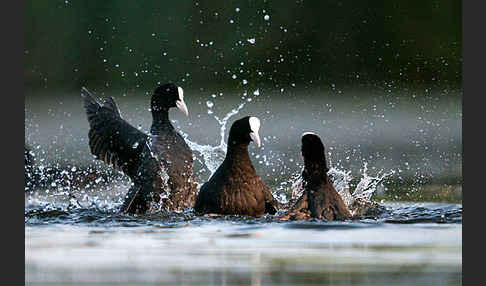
(160, 164)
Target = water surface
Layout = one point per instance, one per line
(411, 243)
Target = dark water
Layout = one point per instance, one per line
(397, 213)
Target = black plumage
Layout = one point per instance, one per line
(235, 188)
(160, 164)
(319, 198)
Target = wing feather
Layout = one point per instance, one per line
(111, 138)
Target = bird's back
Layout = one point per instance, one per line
(325, 201)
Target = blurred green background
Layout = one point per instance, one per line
(132, 45)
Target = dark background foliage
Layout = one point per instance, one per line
(135, 44)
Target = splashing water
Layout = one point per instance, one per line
(359, 202)
(368, 184)
(341, 180)
(212, 156)
(56, 186)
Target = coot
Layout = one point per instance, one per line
(319, 198)
(160, 164)
(235, 188)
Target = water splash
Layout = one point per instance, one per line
(62, 186)
(359, 202)
(359, 198)
(368, 184)
(341, 181)
(213, 156)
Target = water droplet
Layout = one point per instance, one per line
(266, 17)
(256, 92)
(251, 41)
(245, 81)
(209, 104)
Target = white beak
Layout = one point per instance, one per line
(254, 136)
(182, 106)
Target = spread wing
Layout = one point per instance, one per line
(112, 139)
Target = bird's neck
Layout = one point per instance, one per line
(315, 172)
(237, 154)
(160, 122)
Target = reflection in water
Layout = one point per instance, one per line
(99, 246)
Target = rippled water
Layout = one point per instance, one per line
(411, 243)
(399, 213)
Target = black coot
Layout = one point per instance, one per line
(160, 164)
(235, 188)
(319, 198)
